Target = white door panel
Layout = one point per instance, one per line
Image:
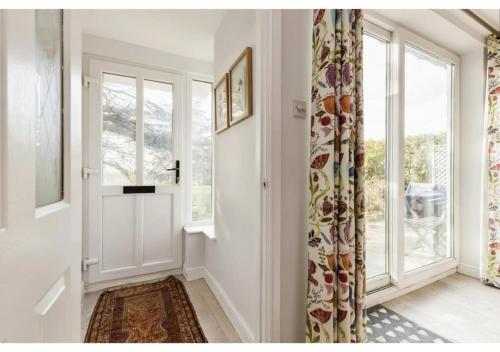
(135, 129)
(158, 211)
(40, 286)
(118, 232)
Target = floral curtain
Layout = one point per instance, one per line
(336, 230)
(491, 274)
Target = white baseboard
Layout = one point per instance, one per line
(97, 286)
(469, 270)
(191, 274)
(232, 313)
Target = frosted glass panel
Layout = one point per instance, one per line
(48, 119)
(201, 151)
(118, 130)
(158, 133)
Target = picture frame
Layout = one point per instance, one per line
(221, 103)
(241, 88)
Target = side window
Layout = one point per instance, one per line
(201, 151)
(49, 117)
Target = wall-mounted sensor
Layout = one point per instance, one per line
(299, 109)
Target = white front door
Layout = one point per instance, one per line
(40, 170)
(134, 196)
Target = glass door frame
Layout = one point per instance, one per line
(383, 280)
(399, 280)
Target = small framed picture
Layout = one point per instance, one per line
(240, 88)
(221, 94)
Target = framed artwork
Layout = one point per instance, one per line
(221, 95)
(240, 88)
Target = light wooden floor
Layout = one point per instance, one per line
(213, 320)
(458, 307)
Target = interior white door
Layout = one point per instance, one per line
(134, 140)
(40, 231)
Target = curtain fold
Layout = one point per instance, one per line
(336, 229)
(491, 272)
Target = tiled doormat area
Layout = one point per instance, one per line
(386, 326)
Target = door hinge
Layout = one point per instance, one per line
(86, 172)
(87, 80)
(87, 262)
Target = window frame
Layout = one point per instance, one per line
(382, 280)
(65, 200)
(188, 151)
(399, 280)
(403, 37)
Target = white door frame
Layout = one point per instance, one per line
(269, 39)
(403, 282)
(94, 220)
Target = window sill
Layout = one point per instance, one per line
(207, 230)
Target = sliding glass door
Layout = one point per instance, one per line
(427, 158)
(409, 98)
(376, 90)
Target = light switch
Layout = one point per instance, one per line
(299, 109)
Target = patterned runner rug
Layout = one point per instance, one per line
(153, 312)
(386, 326)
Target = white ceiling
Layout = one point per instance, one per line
(451, 29)
(490, 16)
(188, 33)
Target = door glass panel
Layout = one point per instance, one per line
(118, 130)
(201, 151)
(48, 118)
(375, 107)
(158, 155)
(427, 158)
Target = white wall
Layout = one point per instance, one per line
(296, 84)
(472, 149)
(233, 259)
(126, 52)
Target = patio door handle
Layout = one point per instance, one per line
(177, 170)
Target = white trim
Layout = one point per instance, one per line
(469, 270)
(48, 300)
(3, 129)
(195, 273)
(207, 230)
(269, 39)
(93, 287)
(236, 319)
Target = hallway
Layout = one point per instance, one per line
(214, 322)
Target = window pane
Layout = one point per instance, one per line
(158, 155)
(201, 142)
(118, 130)
(48, 119)
(375, 99)
(426, 158)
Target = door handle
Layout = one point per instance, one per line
(177, 170)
